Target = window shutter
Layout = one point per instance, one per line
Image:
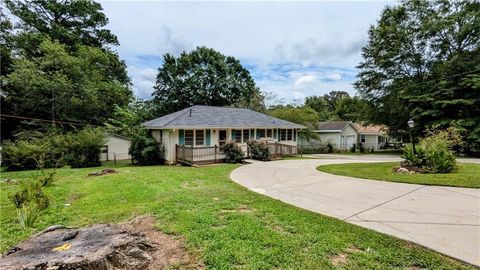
(252, 134)
(207, 137)
(275, 134)
(181, 137)
(258, 135)
(294, 135)
(232, 138)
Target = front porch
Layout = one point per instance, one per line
(195, 155)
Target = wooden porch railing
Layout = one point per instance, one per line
(279, 149)
(198, 155)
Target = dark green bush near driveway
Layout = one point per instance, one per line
(433, 154)
(233, 153)
(259, 150)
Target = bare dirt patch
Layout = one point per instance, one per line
(132, 245)
(339, 259)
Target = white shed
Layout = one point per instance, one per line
(116, 148)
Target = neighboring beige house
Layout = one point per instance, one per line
(199, 131)
(344, 134)
(341, 134)
(372, 136)
(116, 148)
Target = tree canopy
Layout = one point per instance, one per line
(204, 77)
(57, 64)
(337, 105)
(422, 61)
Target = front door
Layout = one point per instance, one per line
(350, 141)
(222, 137)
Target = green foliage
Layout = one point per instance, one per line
(84, 147)
(33, 150)
(233, 153)
(204, 76)
(353, 148)
(338, 105)
(127, 121)
(361, 147)
(145, 150)
(70, 22)
(422, 60)
(300, 115)
(77, 86)
(259, 150)
(57, 62)
(433, 154)
(29, 201)
(318, 148)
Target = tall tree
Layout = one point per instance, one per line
(421, 61)
(76, 87)
(70, 22)
(61, 66)
(204, 77)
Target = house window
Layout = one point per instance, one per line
(283, 134)
(238, 136)
(269, 133)
(246, 135)
(189, 137)
(261, 133)
(289, 134)
(199, 137)
(362, 138)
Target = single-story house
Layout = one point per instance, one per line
(115, 148)
(206, 128)
(344, 134)
(341, 134)
(372, 136)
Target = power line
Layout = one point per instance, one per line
(46, 120)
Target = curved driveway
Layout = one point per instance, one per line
(445, 219)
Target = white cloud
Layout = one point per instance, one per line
(281, 41)
(143, 80)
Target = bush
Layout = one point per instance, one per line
(33, 150)
(146, 151)
(433, 154)
(259, 150)
(361, 147)
(84, 147)
(233, 153)
(29, 201)
(353, 148)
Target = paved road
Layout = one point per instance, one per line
(445, 219)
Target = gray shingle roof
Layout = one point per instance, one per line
(332, 125)
(217, 117)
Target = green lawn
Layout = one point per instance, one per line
(466, 175)
(224, 225)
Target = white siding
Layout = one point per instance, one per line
(117, 148)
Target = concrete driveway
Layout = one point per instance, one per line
(445, 219)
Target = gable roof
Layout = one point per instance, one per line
(333, 126)
(371, 129)
(199, 116)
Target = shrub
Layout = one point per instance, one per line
(361, 147)
(146, 151)
(353, 148)
(259, 150)
(233, 153)
(84, 147)
(29, 201)
(330, 148)
(433, 154)
(33, 150)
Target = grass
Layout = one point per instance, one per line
(223, 224)
(466, 175)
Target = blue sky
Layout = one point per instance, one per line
(293, 49)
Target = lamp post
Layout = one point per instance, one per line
(411, 124)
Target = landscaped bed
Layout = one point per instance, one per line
(224, 225)
(466, 174)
